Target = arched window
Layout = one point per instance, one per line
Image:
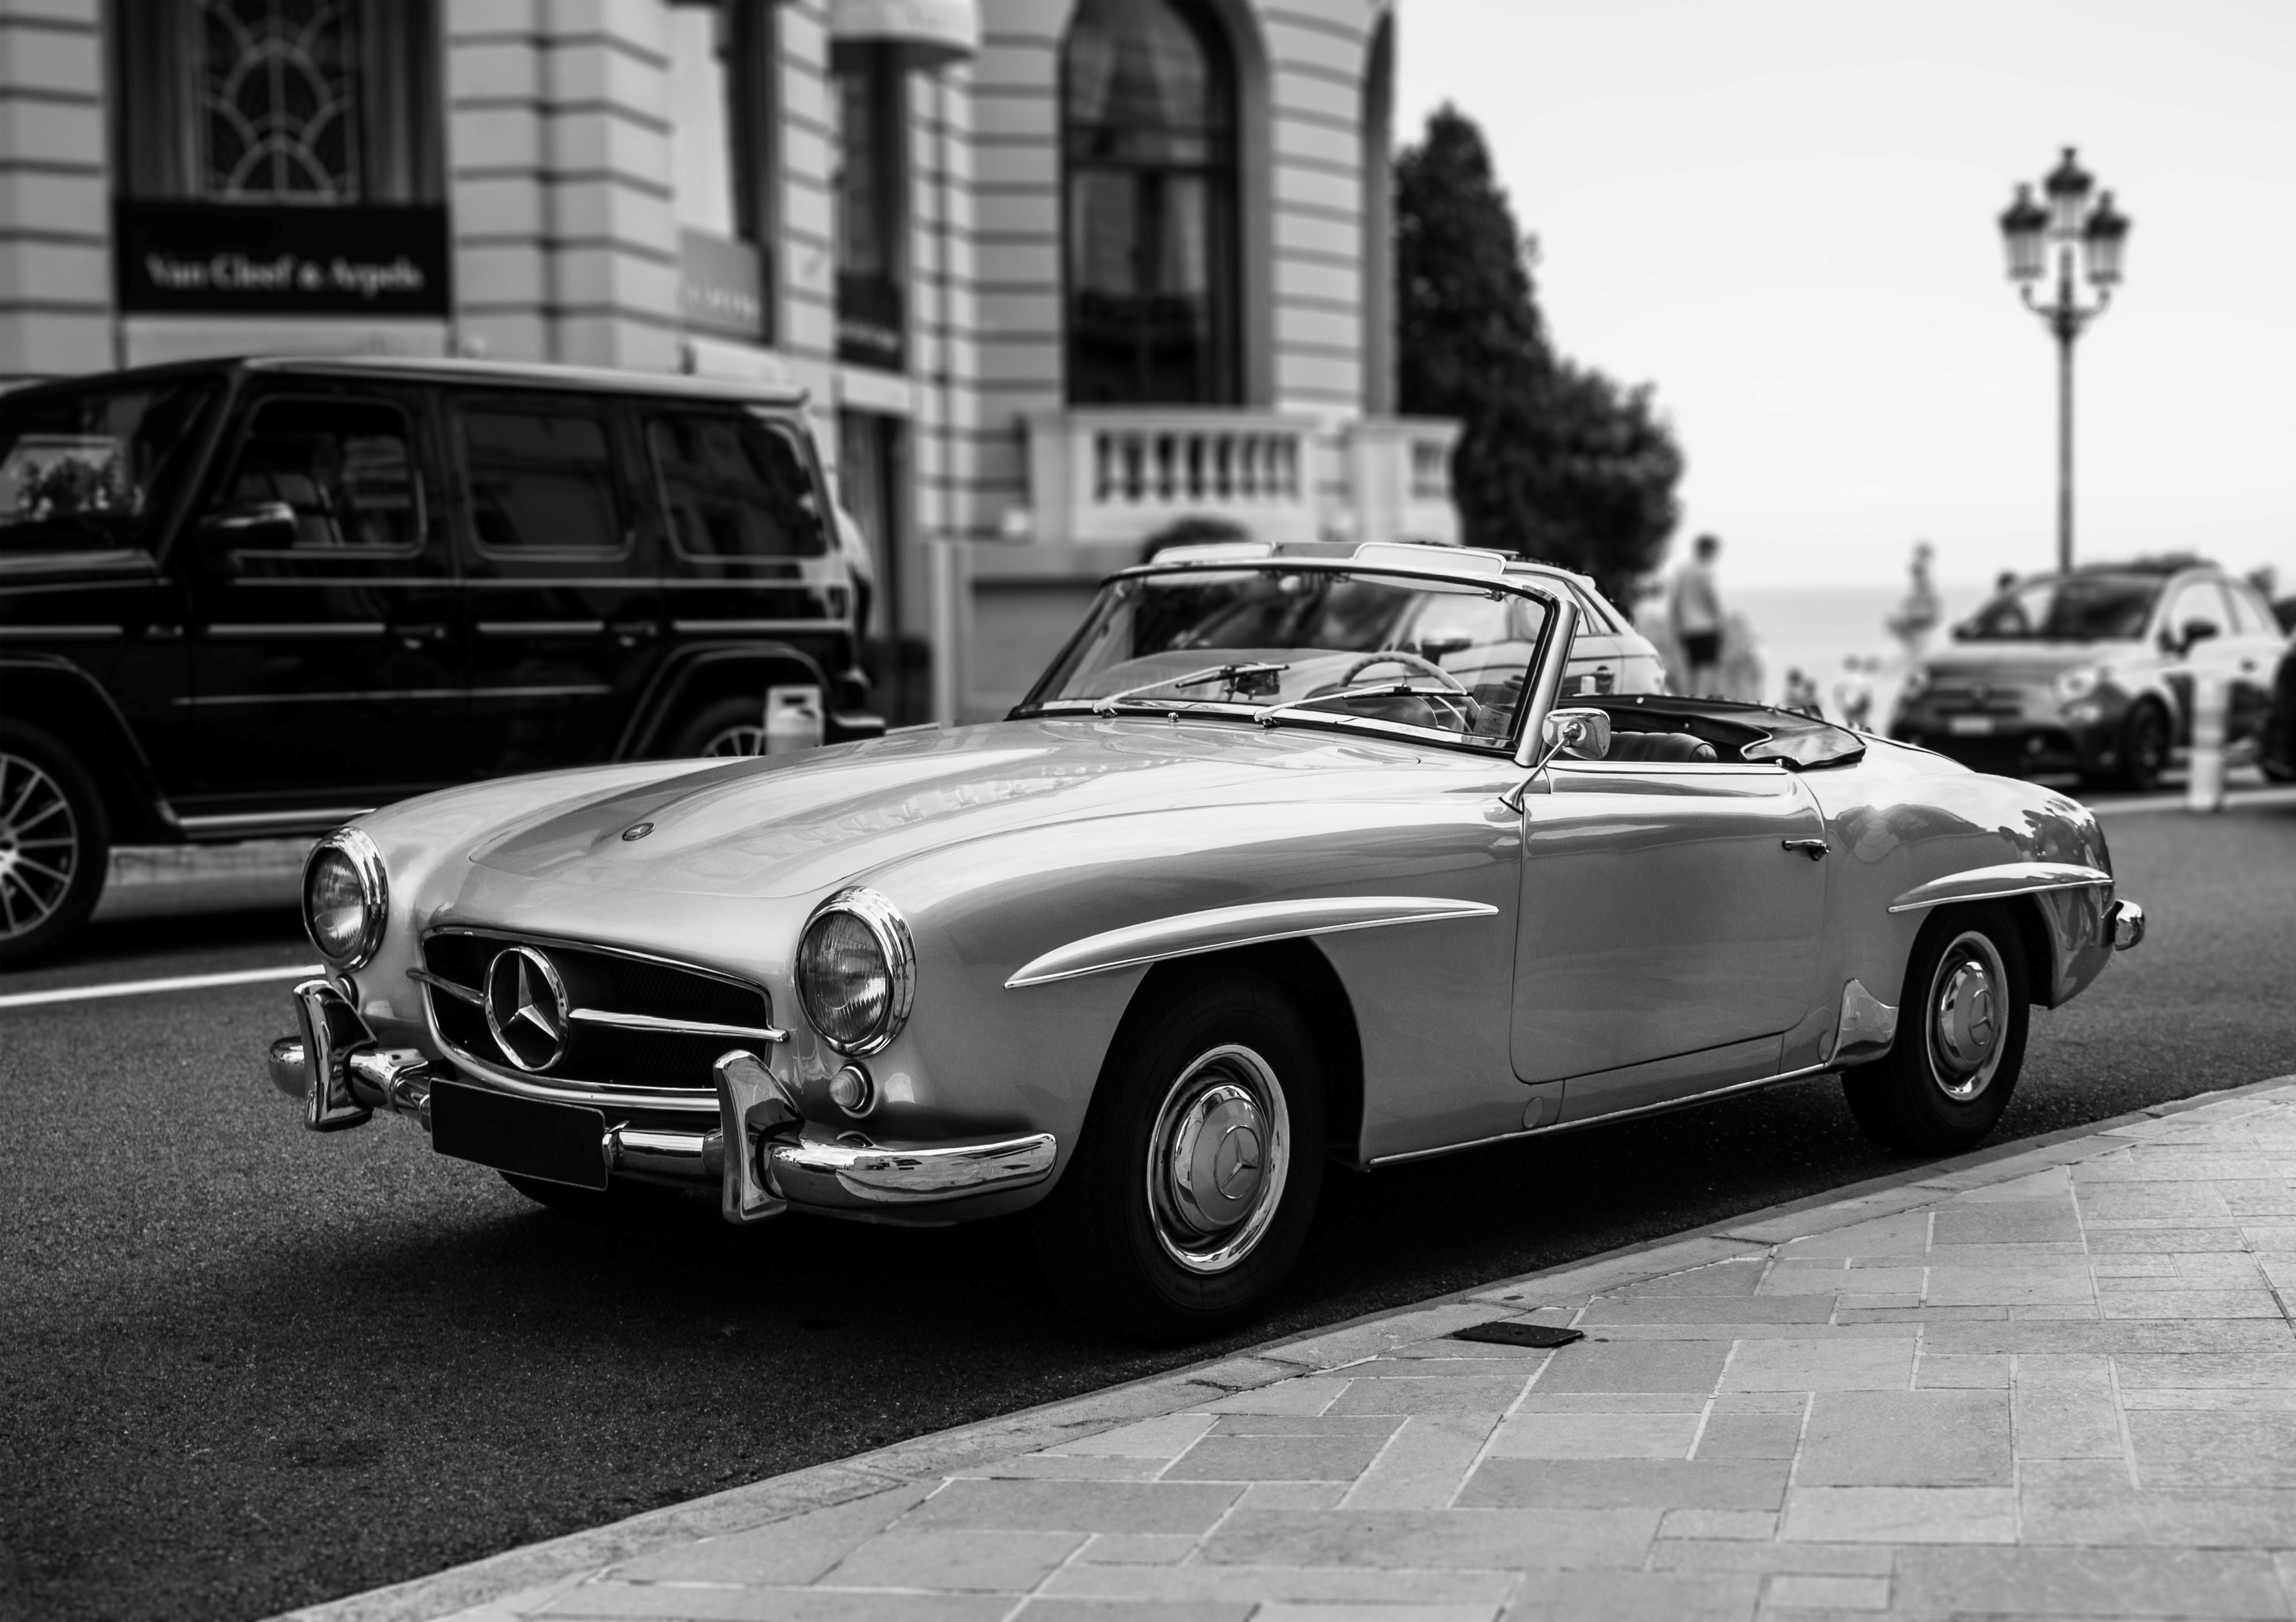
(1149, 140)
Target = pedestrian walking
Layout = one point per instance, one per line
(1801, 696)
(1694, 614)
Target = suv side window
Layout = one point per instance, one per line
(2249, 615)
(347, 468)
(735, 489)
(542, 481)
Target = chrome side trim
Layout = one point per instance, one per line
(325, 817)
(1408, 1156)
(315, 629)
(643, 1022)
(1219, 928)
(541, 628)
(1866, 1028)
(58, 633)
(453, 988)
(1991, 883)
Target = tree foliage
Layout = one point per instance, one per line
(1555, 460)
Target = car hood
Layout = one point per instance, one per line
(767, 827)
(2010, 663)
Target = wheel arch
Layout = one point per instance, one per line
(701, 676)
(66, 703)
(1300, 969)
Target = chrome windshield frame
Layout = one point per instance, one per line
(1543, 675)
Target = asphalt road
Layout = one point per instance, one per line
(246, 1367)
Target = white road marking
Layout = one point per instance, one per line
(137, 988)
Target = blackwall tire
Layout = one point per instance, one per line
(1195, 1179)
(55, 844)
(729, 729)
(1962, 1024)
(2145, 741)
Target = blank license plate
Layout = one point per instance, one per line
(556, 1142)
(1968, 726)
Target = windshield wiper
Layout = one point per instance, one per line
(1267, 713)
(1106, 705)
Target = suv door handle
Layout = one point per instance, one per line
(630, 633)
(1815, 849)
(413, 638)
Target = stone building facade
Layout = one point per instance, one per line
(1059, 275)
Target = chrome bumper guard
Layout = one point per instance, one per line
(2126, 923)
(341, 1076)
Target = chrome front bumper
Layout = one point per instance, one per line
(2127, 924)
(341, 1076)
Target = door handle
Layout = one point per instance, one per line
(413, 638)
(630, 633)
(1815, 849)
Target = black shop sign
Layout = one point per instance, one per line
(244, 259)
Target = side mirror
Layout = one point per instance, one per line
(253, 523)
(1965, 631)
(1582, 734)
(2199, 631)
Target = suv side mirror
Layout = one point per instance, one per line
(253, 523)
(2200, 630)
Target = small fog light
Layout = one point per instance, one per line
(852, 1091)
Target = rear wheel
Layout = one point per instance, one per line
(728, 728)
(1961, 1038)
(54, 844)
(1193, 1186)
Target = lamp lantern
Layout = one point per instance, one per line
(2101, 242)
(2068, 187)
(2025, 233)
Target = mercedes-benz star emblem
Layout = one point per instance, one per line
(638, 830)
(526, 1008)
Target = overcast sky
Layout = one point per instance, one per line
(1783, 212)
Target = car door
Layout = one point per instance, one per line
(325, 672)
(565, 611)
(2196, 602)
(1667, 935)
(2253, 649)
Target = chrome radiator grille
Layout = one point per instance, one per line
(621, 1019)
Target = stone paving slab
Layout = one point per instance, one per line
(2057, 1380)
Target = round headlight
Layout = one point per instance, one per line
(346, 898)
(2078, 682)
(855, 971)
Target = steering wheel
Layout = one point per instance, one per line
(1409, 661)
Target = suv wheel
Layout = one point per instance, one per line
(731, 726)
(2145, 746)
(54, 844)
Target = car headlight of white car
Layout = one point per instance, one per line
(856, 971)
(2078, 682)
(346, 898)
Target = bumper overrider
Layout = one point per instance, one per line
(342, 1075)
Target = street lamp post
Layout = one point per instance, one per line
(2069, 224)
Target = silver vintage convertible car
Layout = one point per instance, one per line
(1284, 859)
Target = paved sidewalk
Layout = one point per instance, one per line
(2059, 1381)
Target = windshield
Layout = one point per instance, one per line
(2075, 608)
(84, 467)
(1284, 644)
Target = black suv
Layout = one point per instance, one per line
(259, 597)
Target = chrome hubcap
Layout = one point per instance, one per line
(1969, 1016)
(39, 846)
(1218, 1158)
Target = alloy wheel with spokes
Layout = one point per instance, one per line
(39, 846)
(735, 742)
(54, 844)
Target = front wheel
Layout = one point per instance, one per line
(2145, 746)
(1961, 1038)
(55, 845)
(1194, 1182)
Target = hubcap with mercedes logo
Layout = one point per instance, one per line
(526, 1008)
